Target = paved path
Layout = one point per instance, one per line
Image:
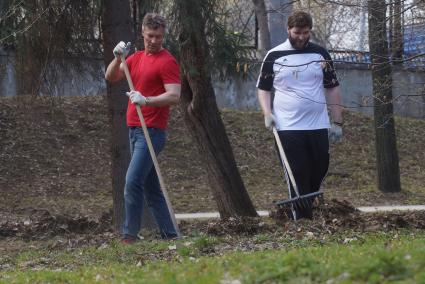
(368, 209)
(391, 208)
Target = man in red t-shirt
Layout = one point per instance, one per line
(156, 78)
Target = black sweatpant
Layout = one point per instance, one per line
(307, 152)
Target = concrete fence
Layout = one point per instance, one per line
(356, 86)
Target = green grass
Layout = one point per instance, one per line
(372, 258)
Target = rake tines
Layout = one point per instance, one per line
(300, 202)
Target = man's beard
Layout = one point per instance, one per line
(297, 44)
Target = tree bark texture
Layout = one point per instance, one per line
(386, 144)
(31, 57)
(263, 24)
(117, 26)
(202, 116)
(397, 33)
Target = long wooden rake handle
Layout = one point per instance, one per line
(285, 161)
(151, 150)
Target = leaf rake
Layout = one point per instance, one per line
(299, 202)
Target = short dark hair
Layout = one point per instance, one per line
(154, 21)
(300, 19)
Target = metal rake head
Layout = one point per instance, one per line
(300, 202)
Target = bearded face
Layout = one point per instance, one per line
(299, 37)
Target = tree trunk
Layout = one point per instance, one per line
(116, 26)
(202, 116)
(362, 32)
(386, 144)
(263, 24)
(29, 58)
(397, 34)
(279, 11)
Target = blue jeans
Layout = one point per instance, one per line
(142, 182)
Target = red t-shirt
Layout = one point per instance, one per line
(149, 74)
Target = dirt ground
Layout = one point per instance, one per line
(55, 171)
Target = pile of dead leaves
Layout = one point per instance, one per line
(330, 217)
(42, 224)
(335, 216)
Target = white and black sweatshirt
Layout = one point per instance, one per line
(299, 78)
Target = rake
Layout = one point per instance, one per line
(299, 202)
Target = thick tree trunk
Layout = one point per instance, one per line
(386, 144)
(116, 26)
(397, 33)
(29, 58)
(203, 118)
(263, 24)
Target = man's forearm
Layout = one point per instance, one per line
(333, 99)
(113, 72)
(170, 97)
(164, 99)
(264, 100)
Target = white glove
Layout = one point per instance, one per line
(122, 49)
(136, 98)
(335, 133)
(269, 121)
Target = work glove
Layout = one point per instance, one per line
(335, 133)
(122, 49)
(136, 98)
(269, 121)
